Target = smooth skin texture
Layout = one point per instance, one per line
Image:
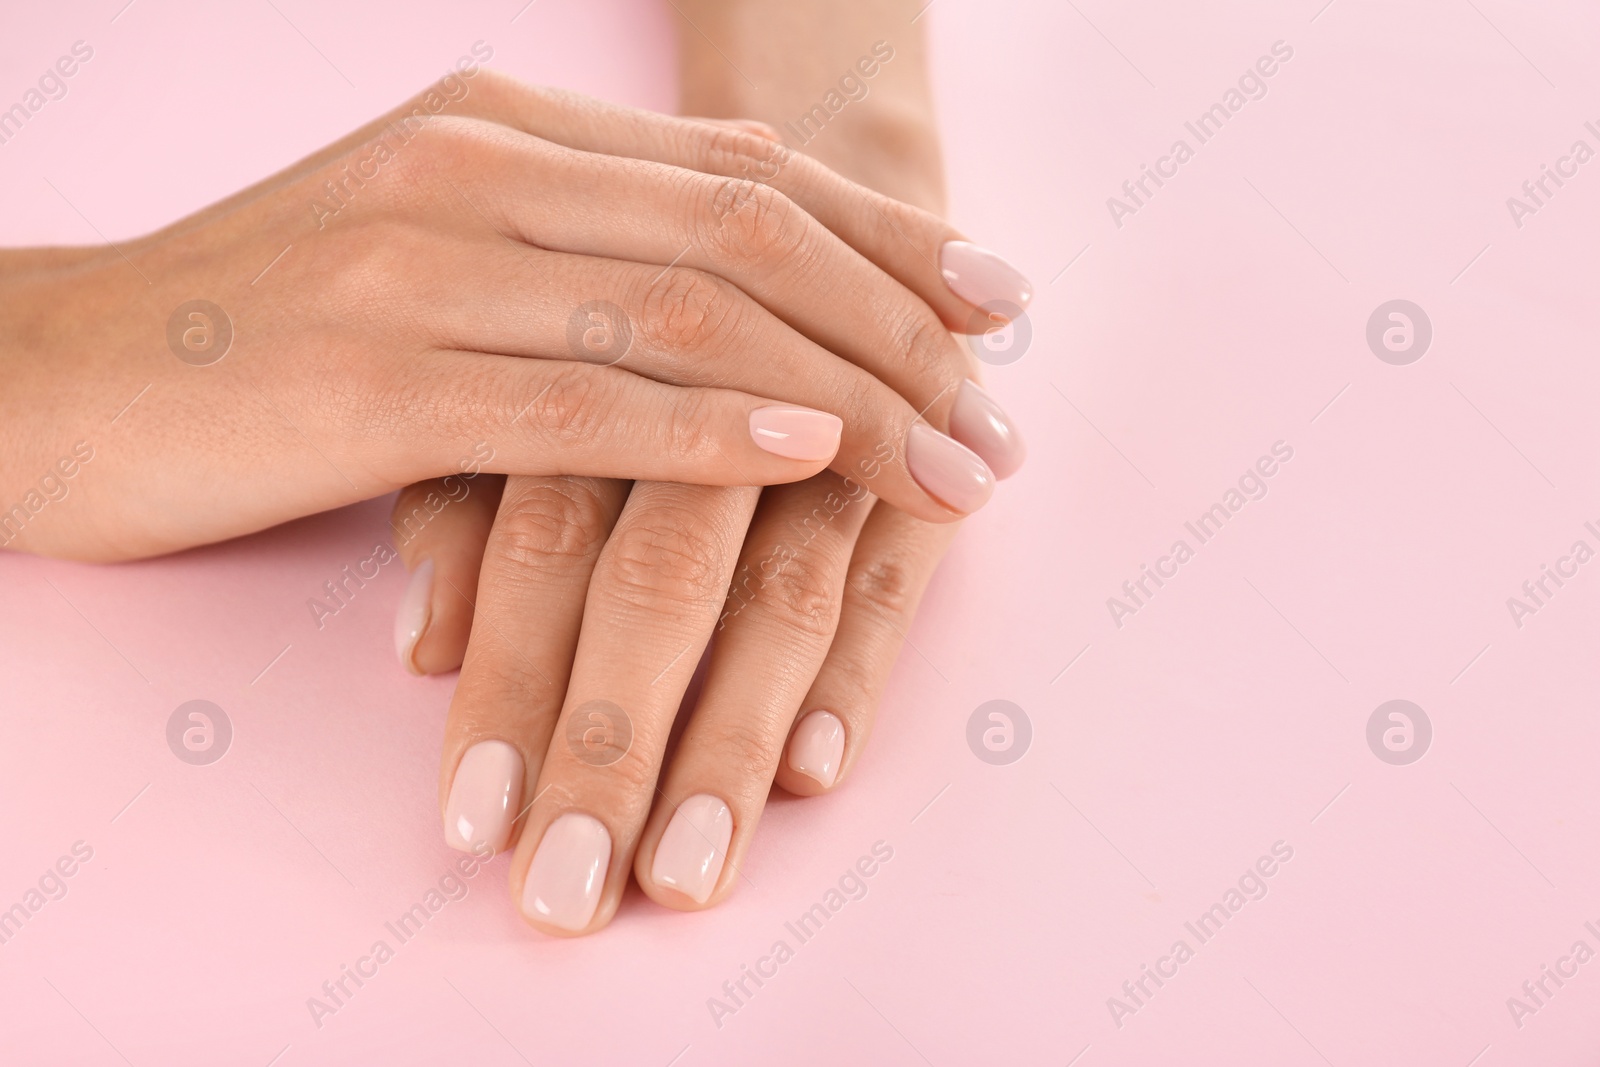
(431, 316)
(590, 605)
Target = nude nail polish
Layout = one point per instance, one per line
(690, 854)
(796, 433)
(568, 872)
(980, 423)
(979, 276)
(412, 619)
(483, 797)
(817, 746)
(949, 471)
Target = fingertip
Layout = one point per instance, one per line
(687, 862)
(440, 528)
(979, 422)
(949, 472)
(412, 618)
(564, 884)
(798, 433)
(815, 753)
(984, 278)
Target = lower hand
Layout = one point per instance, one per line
(557, 739)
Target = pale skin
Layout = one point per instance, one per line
(586, 590)
(789, 327)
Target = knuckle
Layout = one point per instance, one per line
(374, 257)
(573, 407)
(887, 584)
(685, 435)
(685, 311)
(500, 93)
(433, 148)
(410, 499)
(632, 780)
(743, 152)
(497, 676)
(746, 754)
(804, 595)
(752, 224)
(930, 353)
(664, 557)
(414, 508)
(550, 525)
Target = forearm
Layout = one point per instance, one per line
(802, 68)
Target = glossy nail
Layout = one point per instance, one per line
(949, 471)
(980, 423)
(484, 797)
(690, 855)
(978, 276)
(796, 433)
(412, 620)
(568, 872)
(817, 746)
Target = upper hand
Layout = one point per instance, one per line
(375, 290)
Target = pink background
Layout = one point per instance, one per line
(1228, 714)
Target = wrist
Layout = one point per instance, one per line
(854, 96)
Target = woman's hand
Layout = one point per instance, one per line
(557, 739)
(344, 328)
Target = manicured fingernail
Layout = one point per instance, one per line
(412, 620)
(978, 276)
(483, 797)
(796, 433)
(952, 473)
(568, 872)
(981, 424)
(689, 857)
(817, 746)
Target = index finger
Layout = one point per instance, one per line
(964, 283)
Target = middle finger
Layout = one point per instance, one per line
(652, 603)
